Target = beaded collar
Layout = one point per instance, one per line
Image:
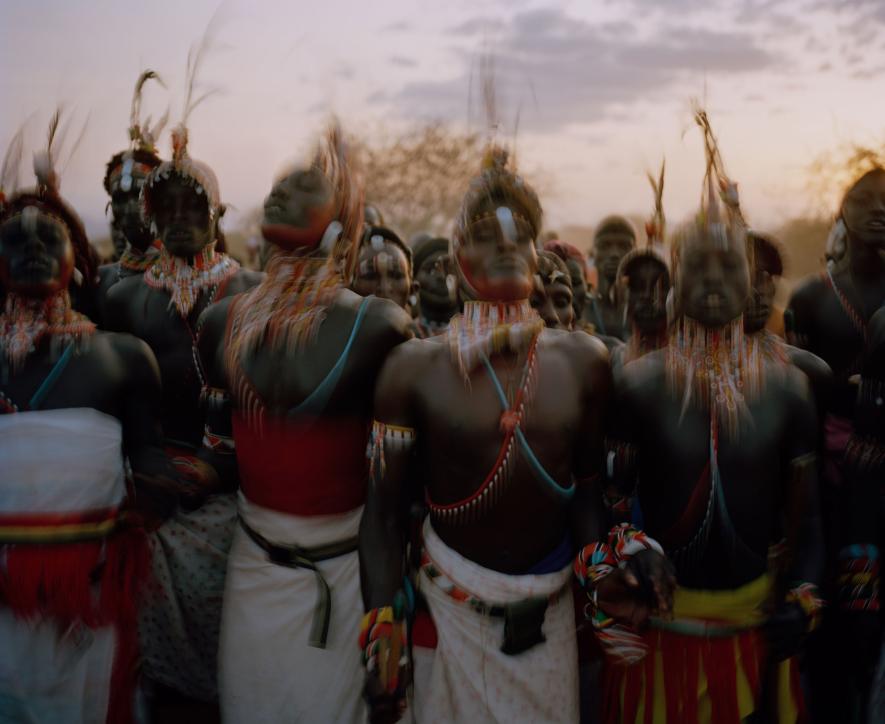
(488, 328)
(25, 322)
(185, 282)
(286, 309)
(716, 369)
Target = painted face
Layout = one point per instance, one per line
(498, 259)
(647, 288)
(383, 270)
(184, 224)
(609, 250)
(761, 300)
(714, 282)
(436, 277)
(579, 286)
(127, 219)
(553, 301)
(36, 254)
(863, 210)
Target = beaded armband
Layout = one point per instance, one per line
(394, 438)
(596, 561)
(218, 444)
(859, 578)
(383, 641)
(865, 453)
(620, 458)
(806, 595)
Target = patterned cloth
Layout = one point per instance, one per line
(472, 680)
(181, 618)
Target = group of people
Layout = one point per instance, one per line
(456, 479)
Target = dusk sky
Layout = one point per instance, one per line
(602, 88)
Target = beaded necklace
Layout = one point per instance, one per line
(489, 328)
(25, 322)
(185, 282)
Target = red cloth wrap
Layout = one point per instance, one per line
(60, 581)
(301, 467)
(681, 659)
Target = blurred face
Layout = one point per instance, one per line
(433, 278)
(383, 270)
(863, 210)
(498, 259)
(714, 282)
(647, 288)
(182, 217)
(554, 303)
(298, 199)
(579, 285)
(609, 250)
(761, 299)
(36, 254)
(127, 219)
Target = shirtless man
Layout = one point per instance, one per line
(722, 441)
(499, 424)
(828, 314)
(123, 180)
(73, 402)
(437, 286)
(384, 268)
(552, 292)
(295, 373)
(613, 239)
(179, 629)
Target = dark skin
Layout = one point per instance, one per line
(385, 273)
(816, 319)
(756, 471)
(128, 225)
(284, 379)
(647, 285)
(184, 225)
(579, 286)
(437, 303)
(113, 373)
(554, 304)
(609, 249)
(458, 438)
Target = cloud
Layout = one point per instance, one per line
(477, 26)
(572, 71)
(400, 27)
(403, 61)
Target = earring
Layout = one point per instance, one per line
(413, 300)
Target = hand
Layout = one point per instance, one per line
(386, 707)
(633, 593)
(786, 631)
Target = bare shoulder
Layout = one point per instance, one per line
(130, 352)
(581, 349)
(644, 376)
(385, 321)
(813, 366)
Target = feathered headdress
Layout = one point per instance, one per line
(719, 220)
(655, 229)
(125, 168)
(45, 197)
(497, 183)
(193, 172)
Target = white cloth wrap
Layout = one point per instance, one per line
(60, 461)
(472, 679)
(57, 461)
(267, 670)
